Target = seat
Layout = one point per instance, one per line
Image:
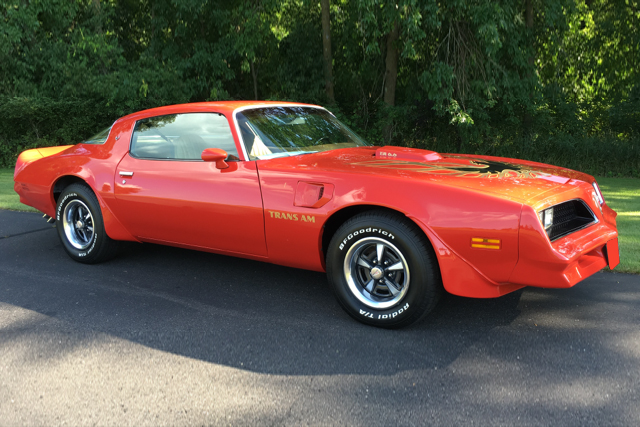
(189, 147)
(154, 149)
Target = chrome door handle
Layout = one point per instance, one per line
(127, 174)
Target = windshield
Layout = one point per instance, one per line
(99, 138)
(271, 132)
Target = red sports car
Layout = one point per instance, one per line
(289, 184)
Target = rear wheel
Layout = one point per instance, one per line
(80, 226)
(383, 270)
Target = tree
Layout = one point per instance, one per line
(486, 76)
(391, 66)
(326, 49)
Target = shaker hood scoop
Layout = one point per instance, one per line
(403, 153)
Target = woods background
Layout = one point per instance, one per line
(547, 80)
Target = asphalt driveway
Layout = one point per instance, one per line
(165, 336)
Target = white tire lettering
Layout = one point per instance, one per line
(62, 204)
(362, 231)
(95, 239)
(392, 315)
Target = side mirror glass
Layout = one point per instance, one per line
(217, 155)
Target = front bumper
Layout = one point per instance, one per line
(568, 260)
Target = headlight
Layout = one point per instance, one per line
(546, 218)
(598, 192)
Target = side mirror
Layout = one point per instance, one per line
(217, 155)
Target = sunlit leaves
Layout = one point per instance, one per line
(465, 75)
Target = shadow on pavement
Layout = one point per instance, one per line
(230, 311)
(568, 352)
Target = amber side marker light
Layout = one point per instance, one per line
(482, 243)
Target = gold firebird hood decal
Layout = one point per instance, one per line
(476, 168)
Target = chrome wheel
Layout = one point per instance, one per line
(77, 222)
(377, 273)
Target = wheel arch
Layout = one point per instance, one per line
(340, 216)
(458, 276)
(113, 227)
(63, 182)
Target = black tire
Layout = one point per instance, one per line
(410, 285)
(81, 228)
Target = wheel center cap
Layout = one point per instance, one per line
(377, 273)
(79, 224)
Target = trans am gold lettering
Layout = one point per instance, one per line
(292, 216)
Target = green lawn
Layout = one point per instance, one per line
(622, 194)
(8, 198)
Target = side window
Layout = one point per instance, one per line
(182, 136)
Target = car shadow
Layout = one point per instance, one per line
(256, 316)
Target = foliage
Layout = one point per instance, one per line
(472, 76)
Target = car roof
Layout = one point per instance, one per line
(225, 107)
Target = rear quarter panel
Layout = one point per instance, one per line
(94, 164)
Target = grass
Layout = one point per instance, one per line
(9, 199)
(621, 194)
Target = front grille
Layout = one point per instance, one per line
(568, 217)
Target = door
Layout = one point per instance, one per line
(165, 193)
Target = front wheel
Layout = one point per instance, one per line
(383, 270)
(80, 226)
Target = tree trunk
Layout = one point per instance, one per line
(391, 75)
(254, 74)
(528, 20)
(528, 14)
(98, 11)
(326, 50)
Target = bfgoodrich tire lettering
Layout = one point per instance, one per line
(383, 270)
(80, 226)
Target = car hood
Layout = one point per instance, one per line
(512, 179)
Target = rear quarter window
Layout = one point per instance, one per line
(99, 138)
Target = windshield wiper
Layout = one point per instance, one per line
(297, 153)
(284, 154)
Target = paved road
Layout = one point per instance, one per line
(164, 336)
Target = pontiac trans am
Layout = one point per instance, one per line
(287, 183)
